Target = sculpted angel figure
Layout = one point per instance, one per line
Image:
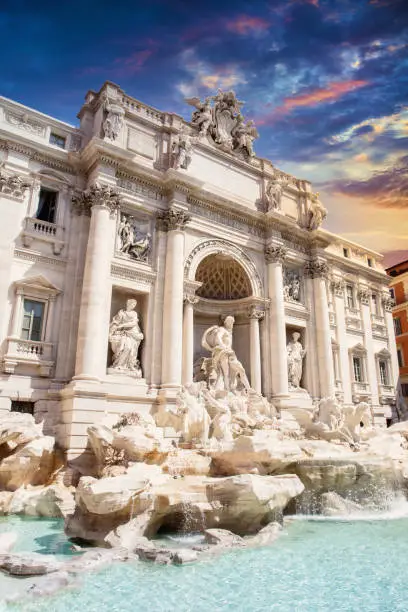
(202, 117)
(295, 353)
(317, 212)
(244, 135)
(125, 337)
(218, 340)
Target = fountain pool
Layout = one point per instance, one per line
(315, 566)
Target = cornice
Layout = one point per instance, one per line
(39, 258)
(352, 267)
(136, 274)
(35, 155)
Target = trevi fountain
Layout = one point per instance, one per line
(195, 393)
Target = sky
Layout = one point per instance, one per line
(326, 82)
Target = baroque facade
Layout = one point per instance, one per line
(127, 238)
(399, 293)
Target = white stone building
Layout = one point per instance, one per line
(137, 203)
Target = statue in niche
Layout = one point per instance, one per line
(182, 149)
(133, 242)
(125, 337)
(273, 193)
(113, 121)
(228, 370)
(317, 212)
(295, 353)
(291, 286)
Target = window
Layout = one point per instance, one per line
(392, 293)
(58, 141)
(47, 205)
(404, 389)
(350, 296)
(346, 252)
(33, 315)
(374, 303)
(27, 407)
(397, 326)
(369, 262)
(382, 365)
(400, 359)
(357, 369)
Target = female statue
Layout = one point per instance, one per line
(125, 337)
(295, 352)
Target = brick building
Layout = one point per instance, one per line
(399, 291)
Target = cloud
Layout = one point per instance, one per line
(245, 24)
(385, 189)
(333, 91)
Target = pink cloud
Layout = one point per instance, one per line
(333, 91)
(245, 24)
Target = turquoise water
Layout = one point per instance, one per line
(316, 566)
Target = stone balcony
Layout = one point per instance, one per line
(28, 353)
(386, 394)
(360, 391)
(35, 229)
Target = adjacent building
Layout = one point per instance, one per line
(399, 293)
(184, 218)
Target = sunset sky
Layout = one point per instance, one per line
(326, 82)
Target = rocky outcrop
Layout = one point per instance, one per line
(114, 511)
(29, 564)
(17, 428)
(31, 464)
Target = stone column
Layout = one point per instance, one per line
(92, 344)
(255, 348)
(50, 319)
(174, 222)
(388, 303)
(364, 296)
(275, 256)
(338, 285)
(16, 318)
(318, 271)
(188, 338)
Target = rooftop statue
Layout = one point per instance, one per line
(317, 212)
(224, 123)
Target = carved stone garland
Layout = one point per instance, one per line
(13, 185)
(338, 286)
(364, 296)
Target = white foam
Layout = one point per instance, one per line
(397, 509)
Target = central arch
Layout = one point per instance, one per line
(240, 265)
(222, 278)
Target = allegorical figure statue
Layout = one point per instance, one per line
(125, 337)
(295, 353)
(182, 150)
(131, 242)
(228, 369)
(317, 213)
(113, 121)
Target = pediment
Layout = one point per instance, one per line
(37, 283)
(53, 175)
(383, 353)
(358, 348)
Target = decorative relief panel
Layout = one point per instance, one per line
(292, 285)
(134, 238)
(139, 187)
(23, 122)
(210, 212)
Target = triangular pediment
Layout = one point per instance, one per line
(384, 353)
(37, 283)
(358, 348)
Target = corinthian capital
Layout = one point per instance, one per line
(172, 219)
(96, 195)
(317, 269)
(275, 254)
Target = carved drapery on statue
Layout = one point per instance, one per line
(224, 123)
(317, 212)
(125, 337)
(133, 239)
(182, 151)
(295, 354)
(227, 372)
(114, 115)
